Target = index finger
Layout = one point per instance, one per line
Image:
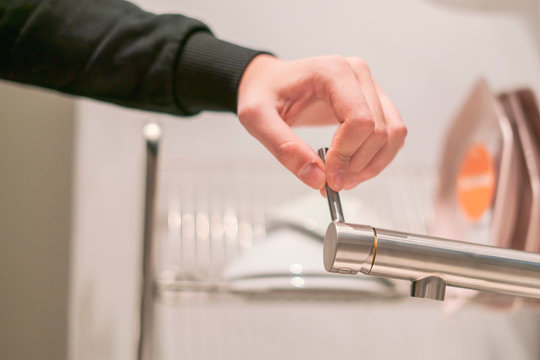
(265, 124)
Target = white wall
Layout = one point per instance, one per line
(425, 54)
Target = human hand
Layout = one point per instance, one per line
(275, 94)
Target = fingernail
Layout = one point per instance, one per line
(338, 179)
(312, 175)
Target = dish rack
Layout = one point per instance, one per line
(245, 234)
(203, 215)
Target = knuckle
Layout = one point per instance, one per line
(342, 157)
(333, 65)
(359, 64)
(398, 134)
(286, 151)
(366, 124)
(337, 61)
(328, 70)
(380, 134)
(401, 131)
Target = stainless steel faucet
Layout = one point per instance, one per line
(334, 202)
(430, 263)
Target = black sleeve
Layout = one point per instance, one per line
(113, 51)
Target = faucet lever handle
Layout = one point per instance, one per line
(334, 202)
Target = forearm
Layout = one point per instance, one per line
(115, 52)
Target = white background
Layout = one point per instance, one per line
(425, 54)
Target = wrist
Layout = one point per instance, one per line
(255, 72)
(208, 73)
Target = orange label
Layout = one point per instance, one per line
(475, 182)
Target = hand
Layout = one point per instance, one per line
(276, 94)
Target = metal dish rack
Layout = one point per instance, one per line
(200, 215)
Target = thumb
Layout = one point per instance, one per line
(265, 124)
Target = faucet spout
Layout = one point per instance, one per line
(430, 263)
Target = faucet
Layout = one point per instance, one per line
(430, 263)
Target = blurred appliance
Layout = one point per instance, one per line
(489, 179)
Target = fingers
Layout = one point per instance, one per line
(345, 143)
(396, 131)
(355, 101)
(274, 95)
(265, 124)
(378, 138)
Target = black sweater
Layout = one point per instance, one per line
(113, 51)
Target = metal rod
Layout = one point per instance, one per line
(334, 201)
(429, 262)
(152, 135)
